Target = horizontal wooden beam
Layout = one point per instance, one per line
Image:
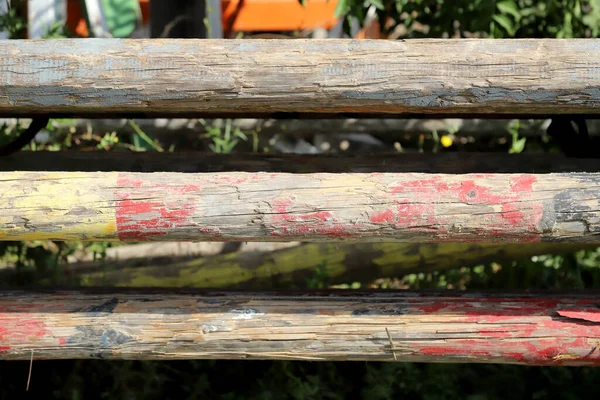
(153, 77)
(164, 129)
(528, 329)
(293, 266)
(394, 127)
(445, 162)
(264, 206)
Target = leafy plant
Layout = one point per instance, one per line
(518, 144)
(11, 22)
(224, 139)
(319, 279)
(479, 18)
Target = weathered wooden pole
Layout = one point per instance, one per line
(446, 163)
(174, 77)
(293, 266)
(164, 129)
(240, 206)
(530, 329)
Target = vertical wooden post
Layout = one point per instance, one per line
(185, 19)
(42, 14)
(214, 30)
(4, 4)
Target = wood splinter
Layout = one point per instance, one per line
(392, 347)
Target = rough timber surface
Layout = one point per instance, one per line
(315, 77)
(263, 206)
(527, 329)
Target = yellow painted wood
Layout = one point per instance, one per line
(240, 206)
(39, 206)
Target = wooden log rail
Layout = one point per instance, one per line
(467, 77)
(164, 129)
(529, 329)
(445, 163)
(292, 267)
(257, 266)
(240, 206)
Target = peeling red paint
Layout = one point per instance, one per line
(419, 198)
(139, 220)
(14, 328)
(417, 215)
(295, 224)
(430, 308)
(281, 205)
(443, 350)
(420, 185)
(125, 181)
(381, 217)
(512, 214)
(585, 314)
(465, 208)
(536, 336)
(523, 183)
(462, 327)
(471, 193)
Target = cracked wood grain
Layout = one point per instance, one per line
(317, 77)
(512, 328)
(244, 206)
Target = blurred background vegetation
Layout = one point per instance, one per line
(47, 263)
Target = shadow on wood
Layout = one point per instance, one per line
(293, 266)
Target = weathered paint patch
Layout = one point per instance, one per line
(91, 336)
(15, 328)
(144, 219)
(418, 198)
(52, 208)
(584, 314)
(320, 223)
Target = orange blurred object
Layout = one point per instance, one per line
(243, 15)
(277, 15)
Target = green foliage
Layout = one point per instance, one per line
(518, 144)
(11, 22)
(58, 31)
(482, 18)
(142, 141)
(225, 139)
(319, 278)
